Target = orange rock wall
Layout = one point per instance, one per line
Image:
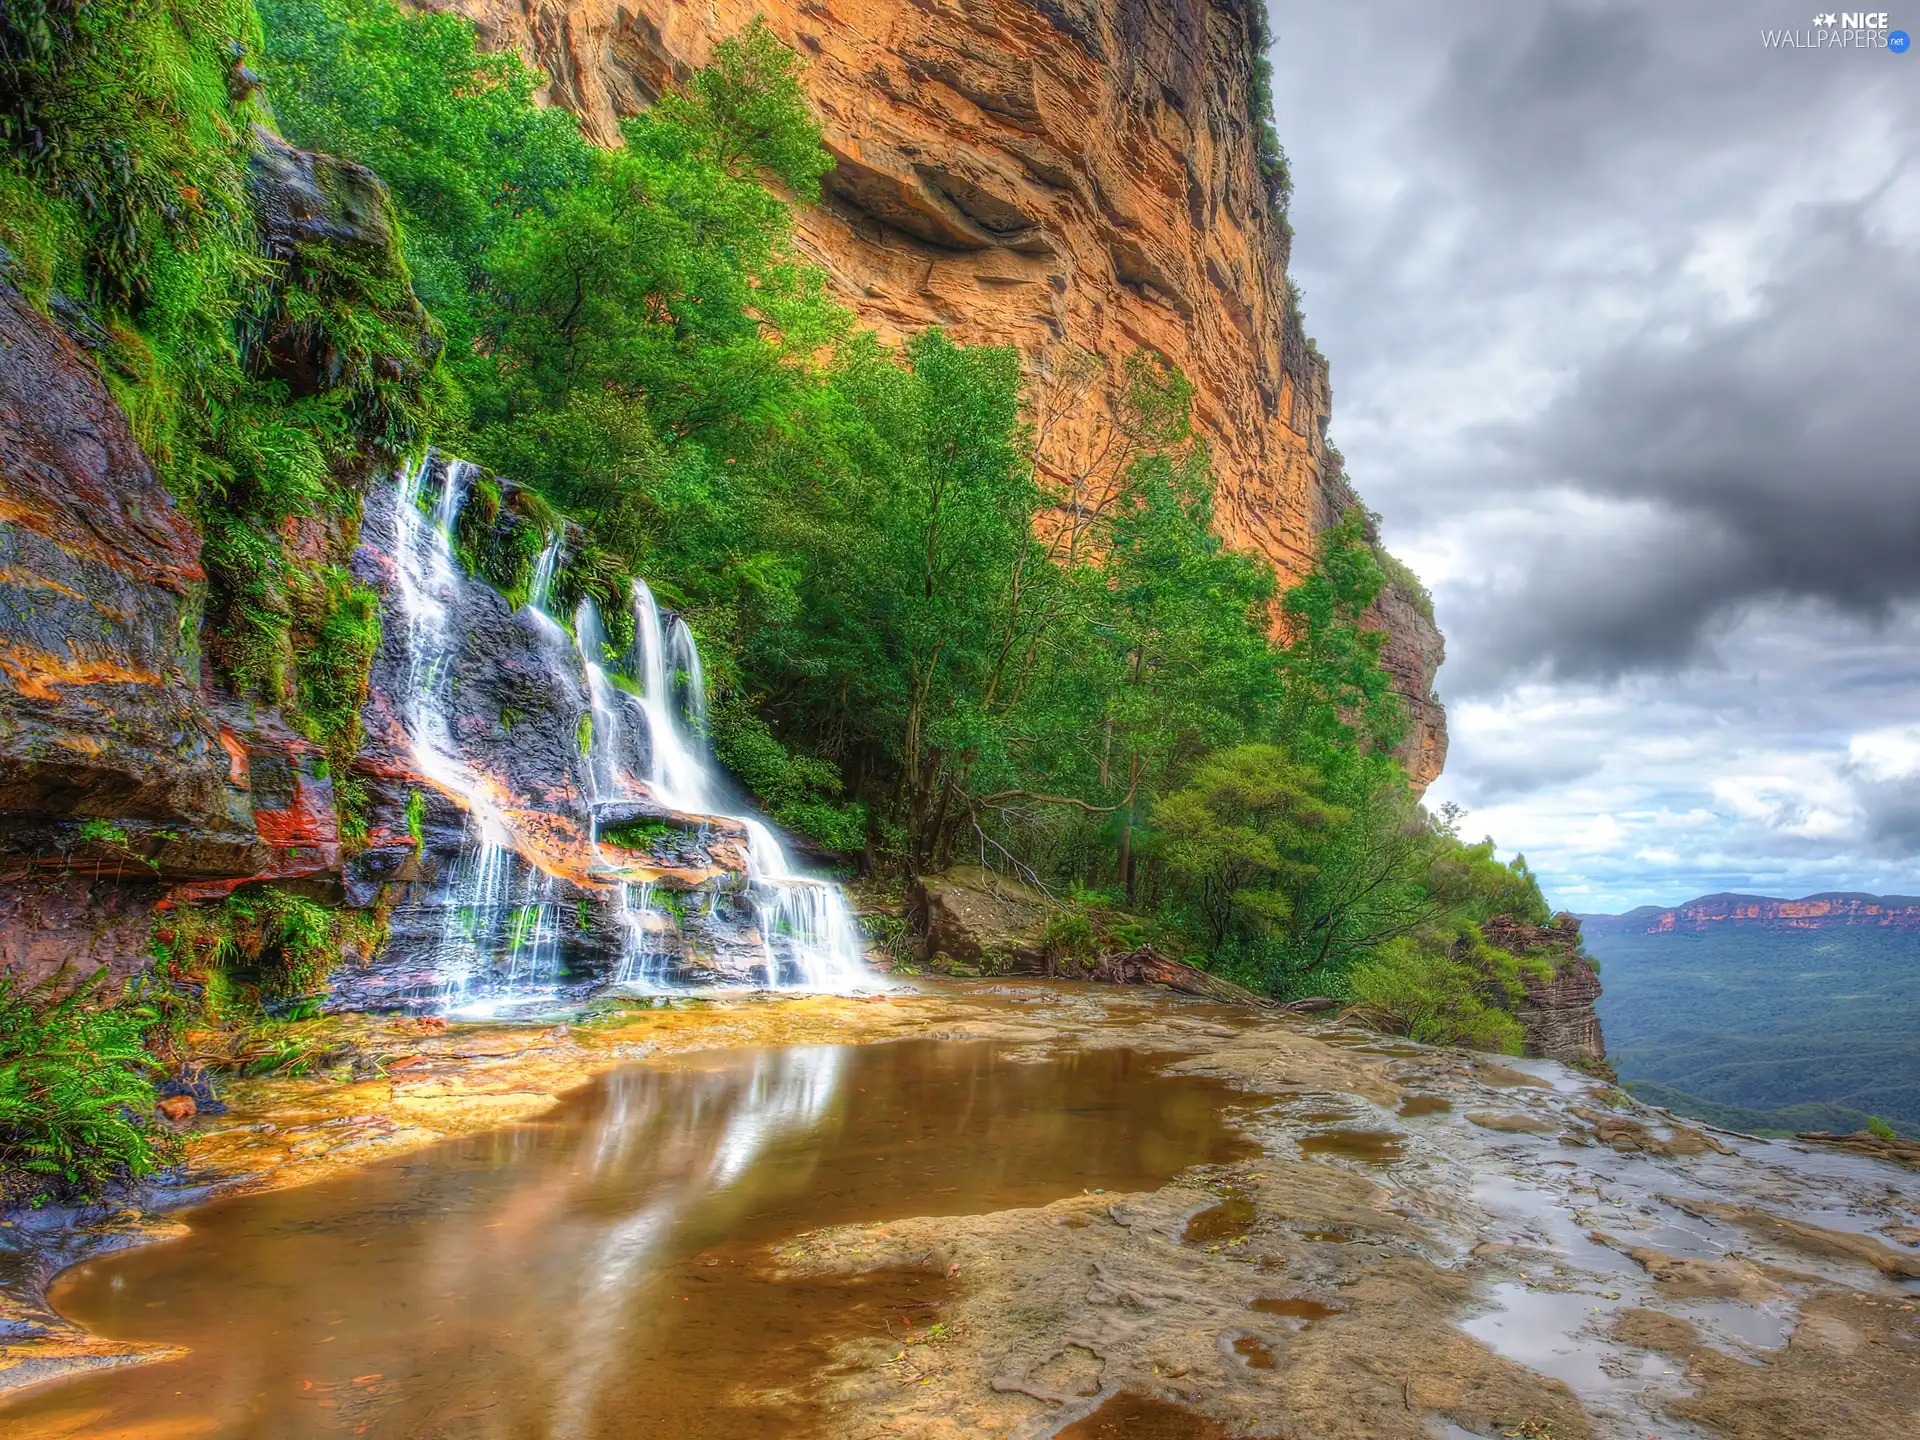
(1077, 178)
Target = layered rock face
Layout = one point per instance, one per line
(1077, 178)
(122, 776)
(1557, 1011)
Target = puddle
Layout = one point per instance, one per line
(1256, 1352)
(1297, 1308)
(1563, 1336)
(1130, 1415)
(1370, 1147)
(1228, 1220)
(1415, 1106)
(600, 1273)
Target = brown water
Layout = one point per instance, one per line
(1132, 1416)
(1372, 1147)
(1228, 1220)
(1295, 1307)
(1255, 1351)
(603, 1273)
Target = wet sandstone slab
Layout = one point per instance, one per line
(1450, 1275)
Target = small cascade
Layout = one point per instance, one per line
(615, 762)
(807, 933)
(497, 945)
(540, 587)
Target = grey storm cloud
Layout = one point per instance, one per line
(1777, 451)
(1623, 311)
(1563, 164)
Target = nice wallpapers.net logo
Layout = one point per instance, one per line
(1842, 30)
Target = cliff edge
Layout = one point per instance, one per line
(1076, 178)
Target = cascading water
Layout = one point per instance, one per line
(524, 902)
(498, 940)
(540, 587)
(808, 937)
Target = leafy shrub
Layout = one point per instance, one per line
(800, 791)
(1068, 934)
(1433, 996)
(1880, 1129)
(76, 1082)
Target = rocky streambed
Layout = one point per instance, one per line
(968, 1209)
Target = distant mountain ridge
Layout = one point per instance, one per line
(1826, 910)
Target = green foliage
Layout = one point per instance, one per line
(1880, 1129)
(1274, 171)
(417, 820)
(452, 130)
(101, 832)
(640, 834)
(1337, 696)
(1068, 934)
(262, 945)
(76, 1084)
(1435, 996)
(802, 792)
(1241, 838)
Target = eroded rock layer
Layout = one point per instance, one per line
(1077, 178)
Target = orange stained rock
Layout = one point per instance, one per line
(36, 673)
(236, 758)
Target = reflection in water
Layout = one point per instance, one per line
(603, 1273)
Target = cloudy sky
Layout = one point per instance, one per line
(1624, 316)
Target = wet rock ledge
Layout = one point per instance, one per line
(1420, 1239)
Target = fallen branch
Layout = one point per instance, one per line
(1147, 966)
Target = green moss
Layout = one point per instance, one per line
(261, 945)
(333, 649)
(583, 734)
(417, 819)
(638, 834)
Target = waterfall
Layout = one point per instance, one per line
(807, 933)
(498, 942)
(498, 931)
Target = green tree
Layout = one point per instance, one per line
(1241, 838)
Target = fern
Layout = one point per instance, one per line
(76, 1086)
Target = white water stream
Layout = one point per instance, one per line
(498, 945)
(808, 938)
(499, 935)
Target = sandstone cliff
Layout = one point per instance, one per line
(1762, 912)
(1557, 1012)
(1078, 178)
